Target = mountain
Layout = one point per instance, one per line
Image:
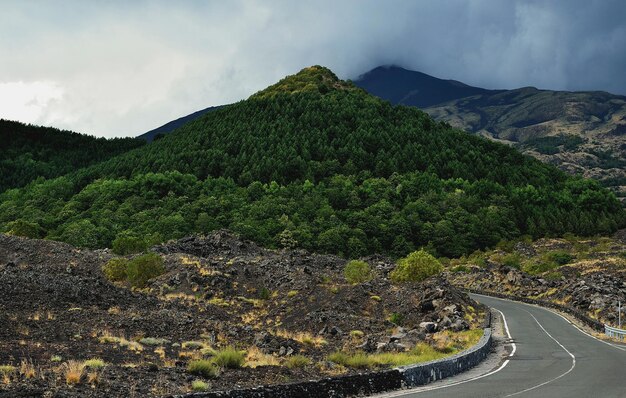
(28, 152)
(174, 124)
(407, 87)
(318, 163)
(579, 132)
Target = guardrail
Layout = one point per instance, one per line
(615, 332)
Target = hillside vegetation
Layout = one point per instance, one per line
(317, 163)
(28, 152)
(579, 132)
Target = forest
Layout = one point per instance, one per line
(317, 163)
(28, 152)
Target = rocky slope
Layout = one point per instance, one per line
(56, 306)
(579, 132)
(586, 274)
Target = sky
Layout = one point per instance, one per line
(121, 68)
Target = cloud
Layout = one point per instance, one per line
(121, 68)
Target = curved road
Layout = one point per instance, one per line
(548, 357)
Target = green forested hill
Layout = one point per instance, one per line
(316, 162)
(28, 152)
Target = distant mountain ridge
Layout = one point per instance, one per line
(174, 124)
(579, 132)
(406, 87)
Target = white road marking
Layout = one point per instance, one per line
(556, 378)
(583, 332)
(427, 389)
(556, 313)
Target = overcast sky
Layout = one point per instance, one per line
(120, 68)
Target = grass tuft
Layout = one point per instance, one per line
(230, 358)
(203, 367)
(73, 372)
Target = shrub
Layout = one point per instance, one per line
(155, 341)
(297, 361)
(265, 294)
(559, 257)
(115, 269)
(416, 267)
(94, 363)
(357, 334)
(460, 269)
(193, 345)
(199, 385)
(128, 244)
(25, 228)
(396, 318)
(203, 367)
(230, 358)
(512, 260)
(357, 271)
(143, 268)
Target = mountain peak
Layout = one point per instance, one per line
(311, 79)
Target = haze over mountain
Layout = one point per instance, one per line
(316, 162)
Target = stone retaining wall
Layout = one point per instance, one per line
(366, 383)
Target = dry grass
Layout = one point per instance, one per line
(107, 337)
(7, 371)
(73, 371)
(93, 378)
(443, 345)
(305, 338)
(160, 351)
(27, 369)
(255, 357)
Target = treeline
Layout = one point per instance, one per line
(344, 215)
(316, 163)
(28, 152)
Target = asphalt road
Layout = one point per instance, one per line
(548, 357)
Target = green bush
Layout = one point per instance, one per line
(128, 244)
(230, 358)
(265, 294)
(460, 269)
(357, 360)
(559, 257)
(199, 385)
(396, 318)
(297, 361)
(357, 271)
(512, 260)
(539, 267)
(203, 367)
(26, 229)
(416, 267)
(115, 269)
(143, 268)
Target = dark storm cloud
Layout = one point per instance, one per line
(119, 68)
